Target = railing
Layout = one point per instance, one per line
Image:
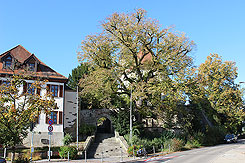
(122, 141)
(88, 142)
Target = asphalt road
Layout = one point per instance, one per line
(201, 155)
(225, 153)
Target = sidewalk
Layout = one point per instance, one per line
(105, 160)
(236, 155)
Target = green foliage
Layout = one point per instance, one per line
(18, 109)
(132, 51)
(67, 139)
(76, 74)
(63, 152)
(175, 144)
(86, 129)
(215, 82)
(132, 150)
(215, 135)
(195, 140)
(120, 120)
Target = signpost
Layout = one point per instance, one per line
(50, 129)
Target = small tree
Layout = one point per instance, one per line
(67, 139)
(18, 109)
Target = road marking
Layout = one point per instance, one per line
(159, 158)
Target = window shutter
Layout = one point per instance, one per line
(48, 88)
(60, 117)
(61, 91)
(47, 118)
(4, 65)
(24, 87)
(38, 91)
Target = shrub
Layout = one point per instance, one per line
(63, 152)
(195, 140)
(67, 139)
(174, 144)
(86, 129)
(132, 150)
(215, 135)
(166, 135)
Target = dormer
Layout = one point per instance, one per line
(32, 63)
(8, 61)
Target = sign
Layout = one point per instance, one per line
(50, 121)
(50, 133)
(50, 128)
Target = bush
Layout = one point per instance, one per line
(63, 152)
(215, 135)
(196, 140)
(67, 139)
(174, 144)
(87, 130)
(132, 150)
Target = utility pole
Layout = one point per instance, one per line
(77, 117)
(130, 116)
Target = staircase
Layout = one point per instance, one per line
(107, 144)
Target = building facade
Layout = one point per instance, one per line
(19, 59)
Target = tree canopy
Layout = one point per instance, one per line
(18, 109)
(216, 83)
(133, 52)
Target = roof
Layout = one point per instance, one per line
(22, 56)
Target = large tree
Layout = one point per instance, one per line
(18, 108)
(215, 83)
(134, 53)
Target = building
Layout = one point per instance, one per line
(19, 59)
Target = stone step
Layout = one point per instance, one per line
(107, 144)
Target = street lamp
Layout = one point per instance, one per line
(130, 116)
(77, 117)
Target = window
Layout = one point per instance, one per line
(54, 90)
(56, 116)
(31, 66)
(6, 83)
(53, 116)
(8, 62)
(30, 89)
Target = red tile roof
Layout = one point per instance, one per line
(22, 55)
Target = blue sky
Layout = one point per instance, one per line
(54, 29)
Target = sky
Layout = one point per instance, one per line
(53, 29)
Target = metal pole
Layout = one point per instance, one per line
(130, 116)
(68, 156)
(31, 145)
(85, 156)
(121, 154)
(154, 149)
(49, 152)
(101, 157)
(133, 154)
(5, 152)
(77, 118)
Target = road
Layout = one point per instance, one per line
(225, 153)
